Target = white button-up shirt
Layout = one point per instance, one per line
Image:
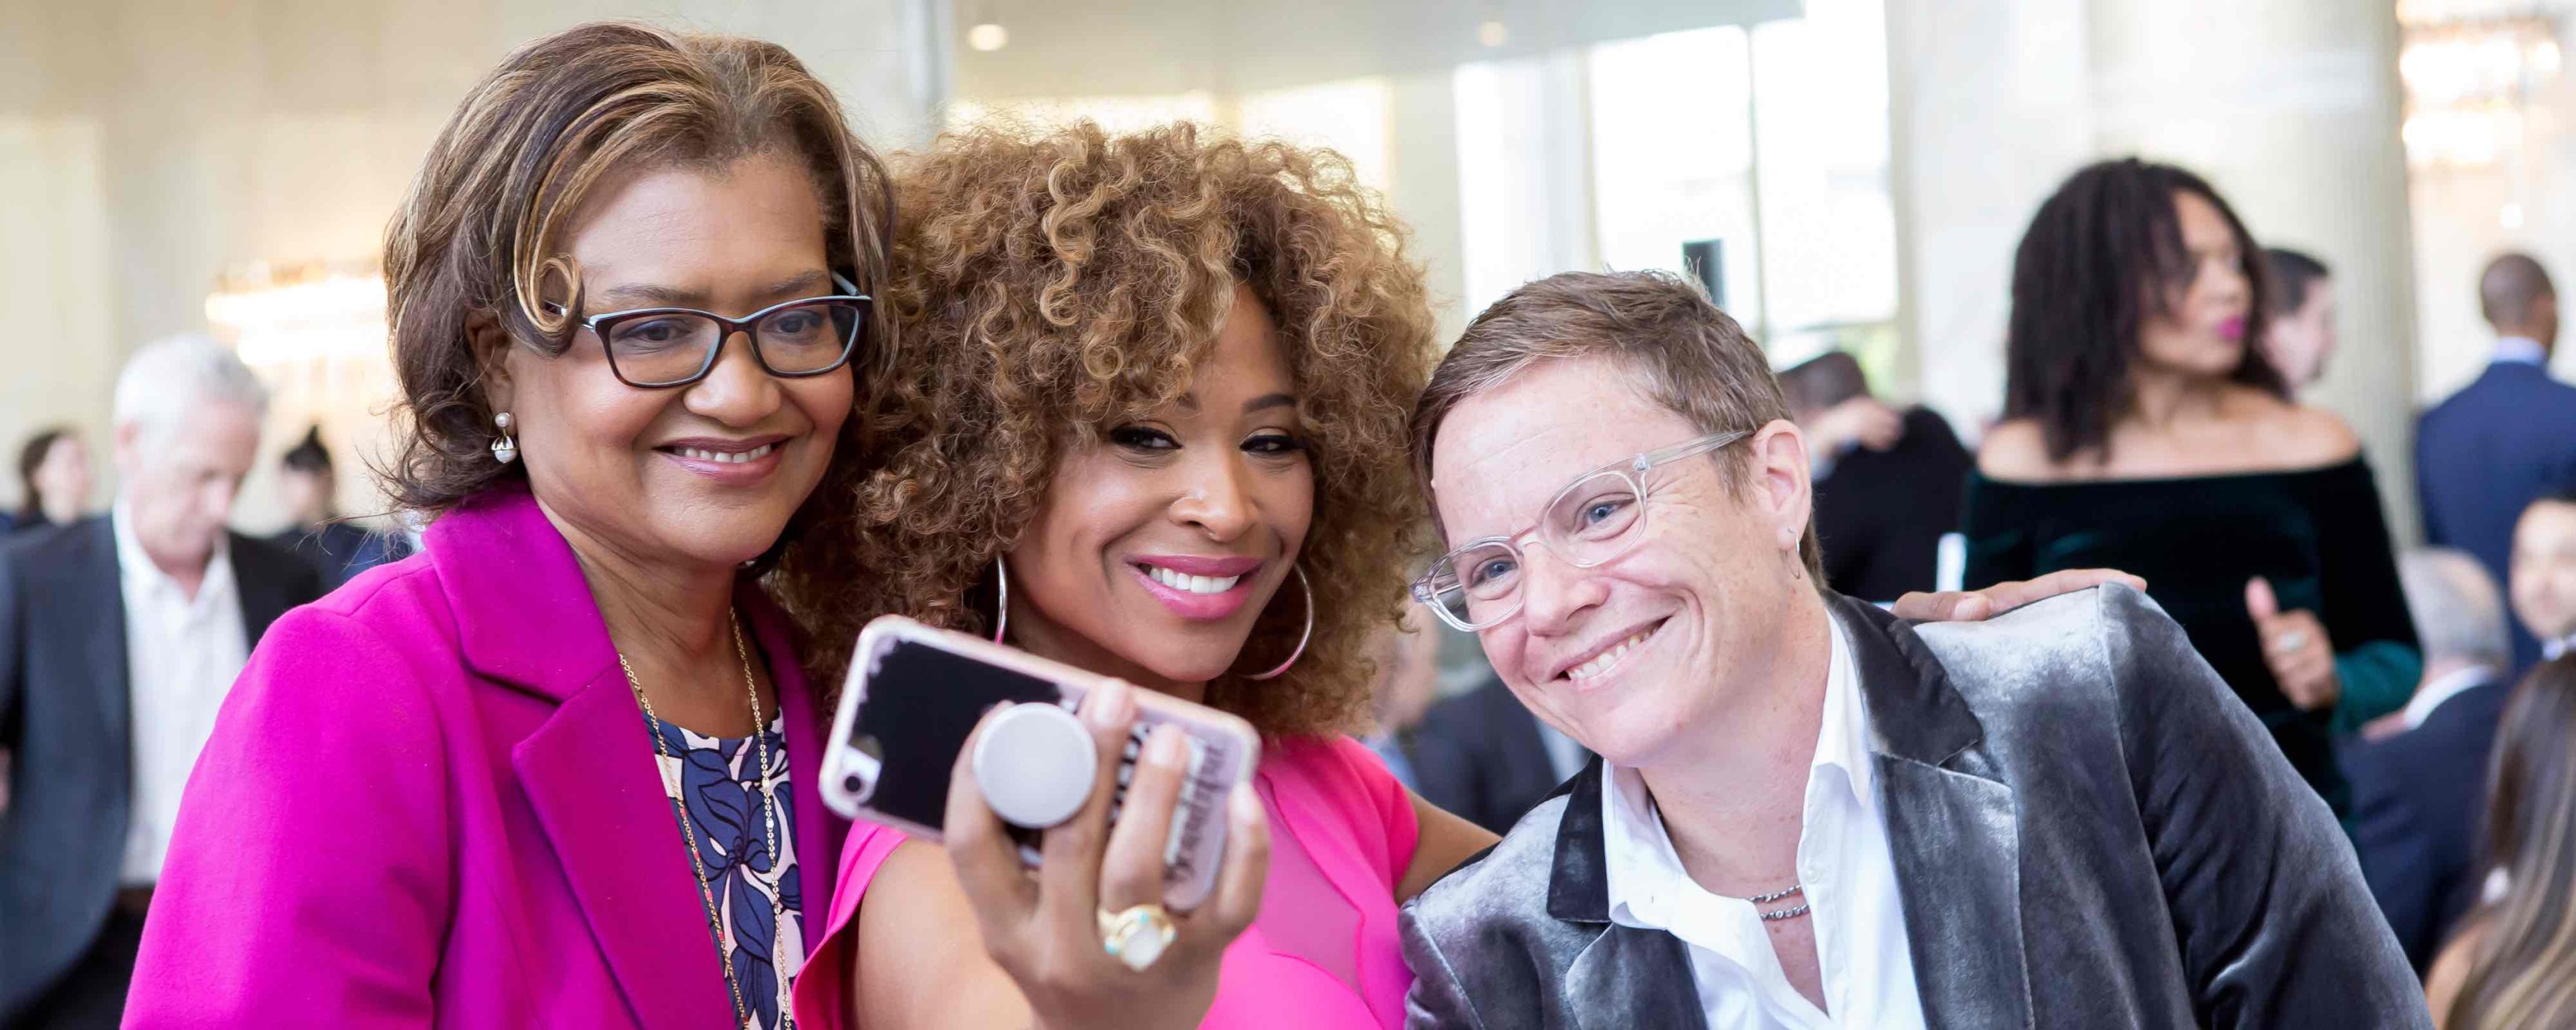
(1843, 862)
(2431, 695)
(182, 654)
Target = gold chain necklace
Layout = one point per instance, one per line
(689, 838)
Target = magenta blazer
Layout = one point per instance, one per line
(430, 801)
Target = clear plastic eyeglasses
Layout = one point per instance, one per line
(1596, 519)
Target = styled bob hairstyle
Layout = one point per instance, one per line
(2101, 256)
(1053, 285)
(481, 234)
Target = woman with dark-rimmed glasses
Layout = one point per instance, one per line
(559, 769)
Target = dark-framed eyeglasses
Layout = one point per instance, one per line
(666, 348)
(1597, 519)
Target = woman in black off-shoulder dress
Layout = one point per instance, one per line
(2142, 431)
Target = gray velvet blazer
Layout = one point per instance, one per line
(2089, 830)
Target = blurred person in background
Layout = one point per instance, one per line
(1483, 756)
(2144, 431)
(308, 488)
(1887, 481)
(559, 770)
(2507, 438)
(2544, 573)
(2299, 309)
(2419, 777)
(120, 637)
(2513, 964)
(1408, 683)
(53, 480)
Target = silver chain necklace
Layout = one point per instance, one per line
(1776, 915)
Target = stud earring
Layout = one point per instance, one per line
(504, 449)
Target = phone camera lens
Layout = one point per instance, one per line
(854, 783)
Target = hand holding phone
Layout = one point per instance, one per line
(914, 695)
(1043, 926)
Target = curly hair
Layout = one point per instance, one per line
(1052, 285)
(482, 230)
(2097, 260)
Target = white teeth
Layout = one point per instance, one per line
(727, 457)
(1192, 584)
(1603, 661)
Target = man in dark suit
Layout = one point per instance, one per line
(2507, 438)
(2419, 777)
(118, 637)
(1888, 482)
(1482, 756)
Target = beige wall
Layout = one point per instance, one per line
(170, 142)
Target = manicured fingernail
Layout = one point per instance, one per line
(1165, 747)
(1110, 707)
(1245, 804)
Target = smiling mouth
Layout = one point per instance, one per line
(1186, 583)
(724, 457)
(1603, 662)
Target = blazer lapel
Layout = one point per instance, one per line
(1626, 977)
(1629, 977)
(591, 777)
(1951, 829)
(525, 617)
(96, 616)
(263, 594)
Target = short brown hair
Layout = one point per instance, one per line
(481, 231)
(1693, 359)
(1058, 283)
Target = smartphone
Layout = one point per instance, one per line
(915, 694)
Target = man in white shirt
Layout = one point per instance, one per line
(119, 637)
(1806, 812)
(2419, 777)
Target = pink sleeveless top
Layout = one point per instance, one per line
(1322, 953)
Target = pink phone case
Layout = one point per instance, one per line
(1224, 749)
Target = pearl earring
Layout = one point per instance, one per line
(504, 449)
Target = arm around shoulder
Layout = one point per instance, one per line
(310, 871)
(2274, 922)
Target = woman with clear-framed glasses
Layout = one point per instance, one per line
(1594, 520)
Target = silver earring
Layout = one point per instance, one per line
(1002, 599)
(504, 449)
(1303, 635)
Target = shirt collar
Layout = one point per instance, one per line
(1640, 857)
(2431, 695)
(2521, 350)
(135, 567)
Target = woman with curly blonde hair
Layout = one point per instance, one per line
(1161, 384)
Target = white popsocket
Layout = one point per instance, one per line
(1035, 764)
